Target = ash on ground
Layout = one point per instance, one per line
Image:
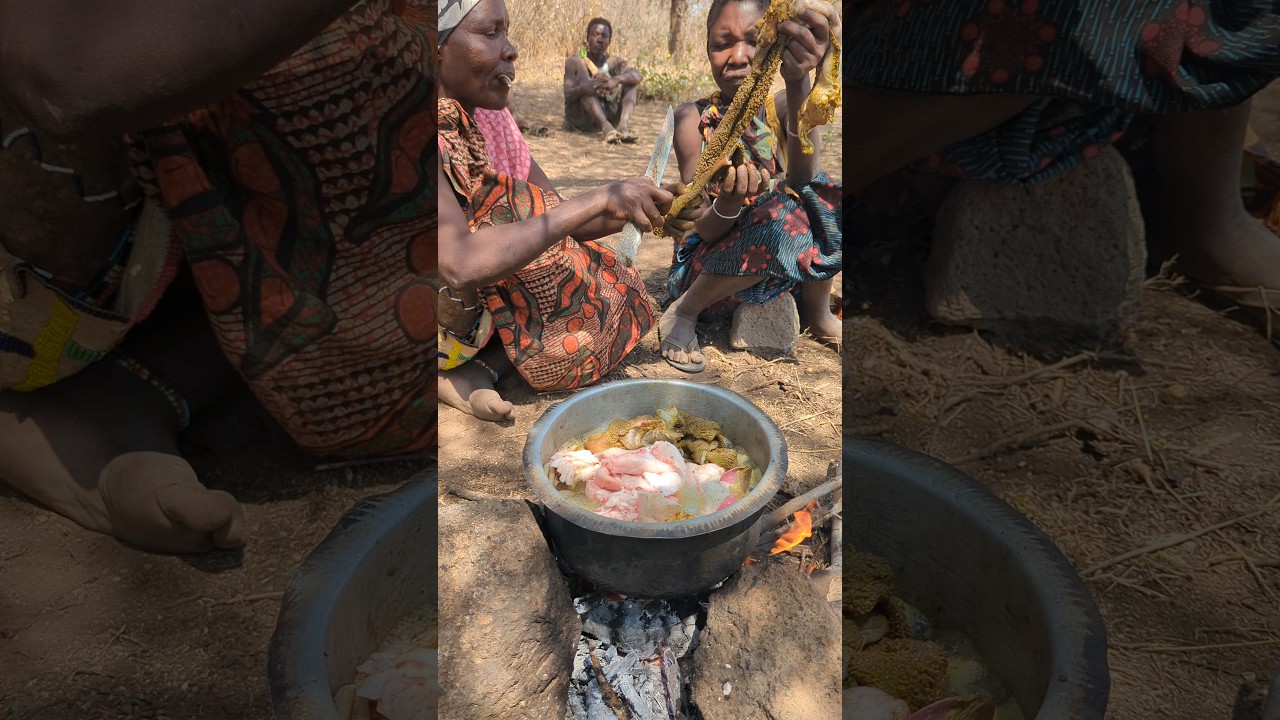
(644, 650)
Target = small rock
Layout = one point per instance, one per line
(1176, 392)
(772, 326)
(1064, 258)
(508, 630)
(780, 642)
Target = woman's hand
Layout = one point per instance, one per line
(810, 33)
(740, 183)
(635, 200)
(677, 226)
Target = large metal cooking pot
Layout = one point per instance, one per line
(660, 560)
(967, 559)
(375, 568)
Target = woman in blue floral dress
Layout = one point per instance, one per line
(773, 226)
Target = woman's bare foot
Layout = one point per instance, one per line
(1201, 216)
(816, 315)
(100, 448)
(679, 334)
(470, 388)
(1224, 248)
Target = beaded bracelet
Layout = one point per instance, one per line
(181, 408)
(488, 367)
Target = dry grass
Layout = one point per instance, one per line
(545, 29)
(640, 34)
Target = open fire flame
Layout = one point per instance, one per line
(800, 530)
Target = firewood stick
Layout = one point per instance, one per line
(837, 542)
(606, 690)
(786, 511)
(769, 537)
(1178, 539)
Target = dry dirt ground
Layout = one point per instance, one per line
(93, 630)
(1176, 434)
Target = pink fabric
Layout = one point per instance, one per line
(507, 149)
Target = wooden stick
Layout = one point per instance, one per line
(273, 595)
(472, 495)
(1142, 425)
(1264, 563)
(837, 542)
(1019, 379)
(361, 462)
(769, 536)
(800, 420)
(1150, 647)
(1020, 440)
(1177, 539)
(606, 690)
(1253, 570)
(786, 511)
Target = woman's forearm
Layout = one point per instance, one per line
(597, 228)
(79, 66)
(800, 167)
(477, 259)
(712, 226)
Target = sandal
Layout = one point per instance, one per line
(629, 137)
(691, 346)
(613, 137)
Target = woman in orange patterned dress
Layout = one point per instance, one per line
(290, 153)
(525, 285)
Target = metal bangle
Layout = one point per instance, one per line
(726, 217)
(449, 294)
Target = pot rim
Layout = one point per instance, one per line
(1079, 679)
(298, 680)
(770, 479)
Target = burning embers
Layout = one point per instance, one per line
(635, 658)
(628, 663)
(779, 534)
(801, 530)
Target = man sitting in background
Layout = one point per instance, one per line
(600, 89)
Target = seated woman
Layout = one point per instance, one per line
(756, 243)
(1021, 92)
(288, 168)
(524, 285)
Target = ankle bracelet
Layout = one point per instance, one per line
(181, 408)
(488, 367)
